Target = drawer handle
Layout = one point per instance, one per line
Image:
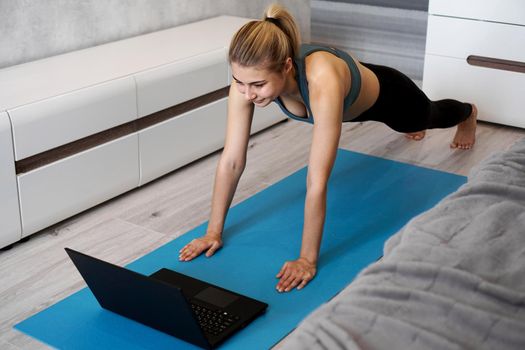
(496, 63)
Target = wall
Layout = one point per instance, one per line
(386, 32)
(420, 5)
(34, 29)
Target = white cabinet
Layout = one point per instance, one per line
(49, 123)
(58, 190)
(80, 128)
(173, 143)
(503, 11)
(475, 53)
(9, 213)
(180, 81)
(55, 191)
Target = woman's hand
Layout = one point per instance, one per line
(197, 246)
(295, 274)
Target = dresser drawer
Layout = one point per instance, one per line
(177, 82)
(497, 93)
(46, 124)
(171, 144)
(505, 11)
(460, 38)
(9, 212)
(58, 190)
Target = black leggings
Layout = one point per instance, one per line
(405, 108)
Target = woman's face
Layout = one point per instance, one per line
(258, 85)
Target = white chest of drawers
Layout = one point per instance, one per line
(80, 128)
(9, 211)
(475, 52)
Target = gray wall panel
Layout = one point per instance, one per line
(34, 29)
(388, 36)
(420, 5)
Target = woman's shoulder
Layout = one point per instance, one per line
(324, 69)
(323, 65)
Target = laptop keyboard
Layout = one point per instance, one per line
(213, 321)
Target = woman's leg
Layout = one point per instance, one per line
(416, 136)
(466, 131)
(405, 108)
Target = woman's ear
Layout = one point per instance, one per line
(288, 65)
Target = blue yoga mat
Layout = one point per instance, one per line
(369, 199)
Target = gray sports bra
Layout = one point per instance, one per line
(307, 49)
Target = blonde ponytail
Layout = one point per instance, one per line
(268, 42)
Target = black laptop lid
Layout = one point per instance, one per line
(145, 300)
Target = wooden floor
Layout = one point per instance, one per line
(37, 273)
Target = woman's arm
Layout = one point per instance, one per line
(327, 88)
(227, 175)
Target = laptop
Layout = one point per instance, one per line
(184, 307)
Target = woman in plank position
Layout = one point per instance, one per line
(325, 87)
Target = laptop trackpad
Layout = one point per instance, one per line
(216, 297)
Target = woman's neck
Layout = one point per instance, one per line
(291, 87)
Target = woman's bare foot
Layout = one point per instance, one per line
(466, 132)
(416, 136)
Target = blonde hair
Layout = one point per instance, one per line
(267, 42)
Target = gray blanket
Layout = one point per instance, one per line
(452, 278)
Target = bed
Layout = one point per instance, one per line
(452, 278)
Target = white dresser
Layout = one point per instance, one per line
(83, 127)
(475, 52)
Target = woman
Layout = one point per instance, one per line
(325, 87)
